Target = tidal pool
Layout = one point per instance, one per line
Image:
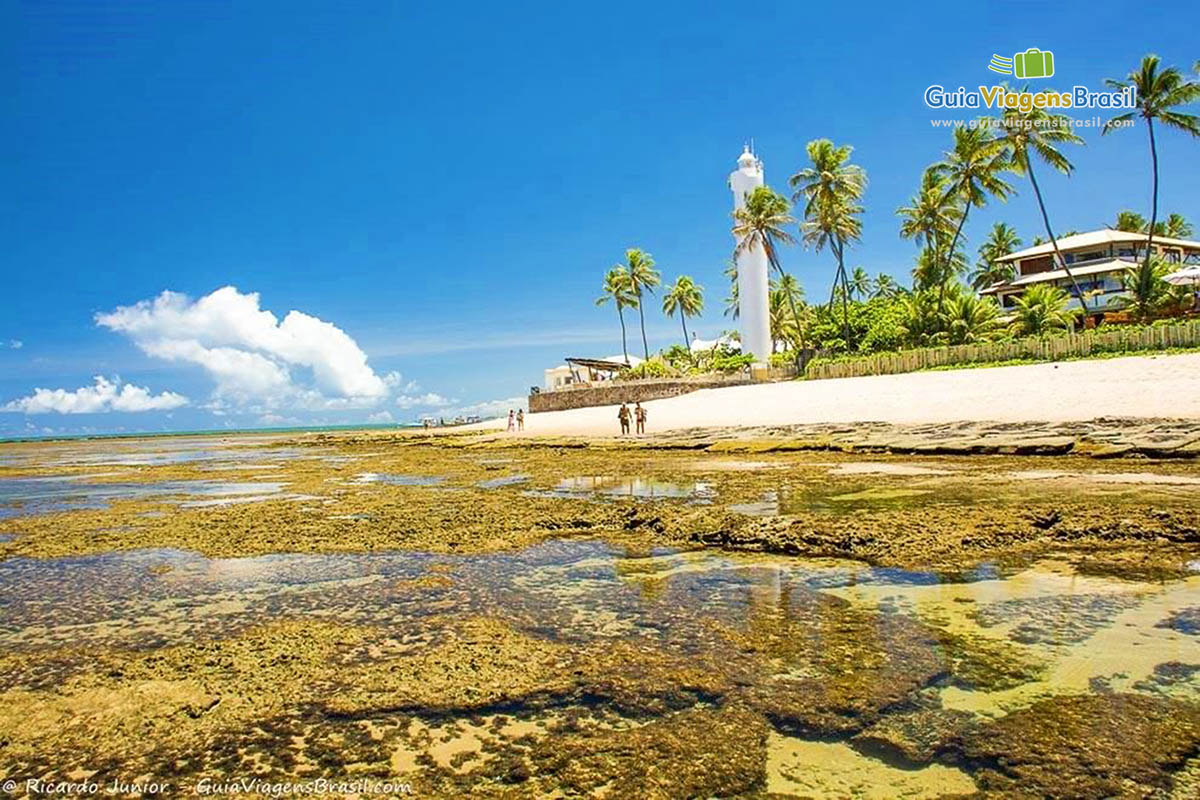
(635, 487)
(813, 662)
(21, 496)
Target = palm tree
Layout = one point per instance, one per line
(643, 278)
(1177, 227)
(1145, 290)
(733, 302)
(617, 289)
(831, 189)
(929, 220)
(989, 270)
(1159, 93)
(933, 270)
(760, 224)
(783, 325)
(1042, 308)
(970, 318)
(884, 286)
(1033, 135)
(860, 283)
(972, 173)
(686, 297)
(1129, 222)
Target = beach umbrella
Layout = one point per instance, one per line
(1188, 276)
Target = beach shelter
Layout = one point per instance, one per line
(1188, 276)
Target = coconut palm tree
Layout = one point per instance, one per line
(989, 270)
(1040, 309)
(1146, 293)
(969, 318)
(932, 269)
(884, 286)
(618, 290)
(686, 297)
(1178, 227)
(972, 173)
(831, 189)
(733, 301)
(930, 216)
(860, 283)
(643, 278)
(1159, 93)
(783, 325)
(760, 224)
(1129, 222)
(1034, 135)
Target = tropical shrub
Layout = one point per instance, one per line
(1042, 309)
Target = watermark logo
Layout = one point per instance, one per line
(1033, 63)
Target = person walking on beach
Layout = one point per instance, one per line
(512, 425)
(520, 419)
(623, 418)
(639, 414)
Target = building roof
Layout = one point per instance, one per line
(1094, 239)
(1112, 265)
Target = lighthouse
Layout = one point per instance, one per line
(751, 267)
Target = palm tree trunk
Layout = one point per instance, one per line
(950, 256)
(642, 317)
(1154, 194)
(1053, 242)
(687, 344)
(624, 343)
(773, 259)
(841, 250)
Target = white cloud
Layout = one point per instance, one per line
(15, 344)
(257, 361)
(381, 416)
(427, 400)
(491, 408)
(104, 395)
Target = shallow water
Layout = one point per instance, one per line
(636, 487)
(785, 633)
(1087, 634)
(20, 496)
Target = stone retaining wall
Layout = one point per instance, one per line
(614, 392)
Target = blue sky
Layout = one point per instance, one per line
(445, 187)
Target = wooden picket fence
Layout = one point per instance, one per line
(1123, 339)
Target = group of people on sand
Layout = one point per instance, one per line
(516, 420)
(638, 414)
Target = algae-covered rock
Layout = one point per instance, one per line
(1084, 746)
(918, 736)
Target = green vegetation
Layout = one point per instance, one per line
(868, 314)
(1159, 93)
(685, 297)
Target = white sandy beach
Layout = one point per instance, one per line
(1139, 386)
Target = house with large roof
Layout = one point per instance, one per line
(1097, 260)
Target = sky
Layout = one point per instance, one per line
(255, 214)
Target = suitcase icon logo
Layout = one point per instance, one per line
(1033, 63)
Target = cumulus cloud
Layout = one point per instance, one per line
(15, 344)
(492, 408)
(255, 359)
(104, 395)
(426, 400)
(381, 417)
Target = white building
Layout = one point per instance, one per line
(752, 268)
(585, 370)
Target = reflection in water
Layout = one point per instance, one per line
(591, 486)
(20, 496)
(1092, 634)
(397, 480)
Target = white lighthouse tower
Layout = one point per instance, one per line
(752, 268)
